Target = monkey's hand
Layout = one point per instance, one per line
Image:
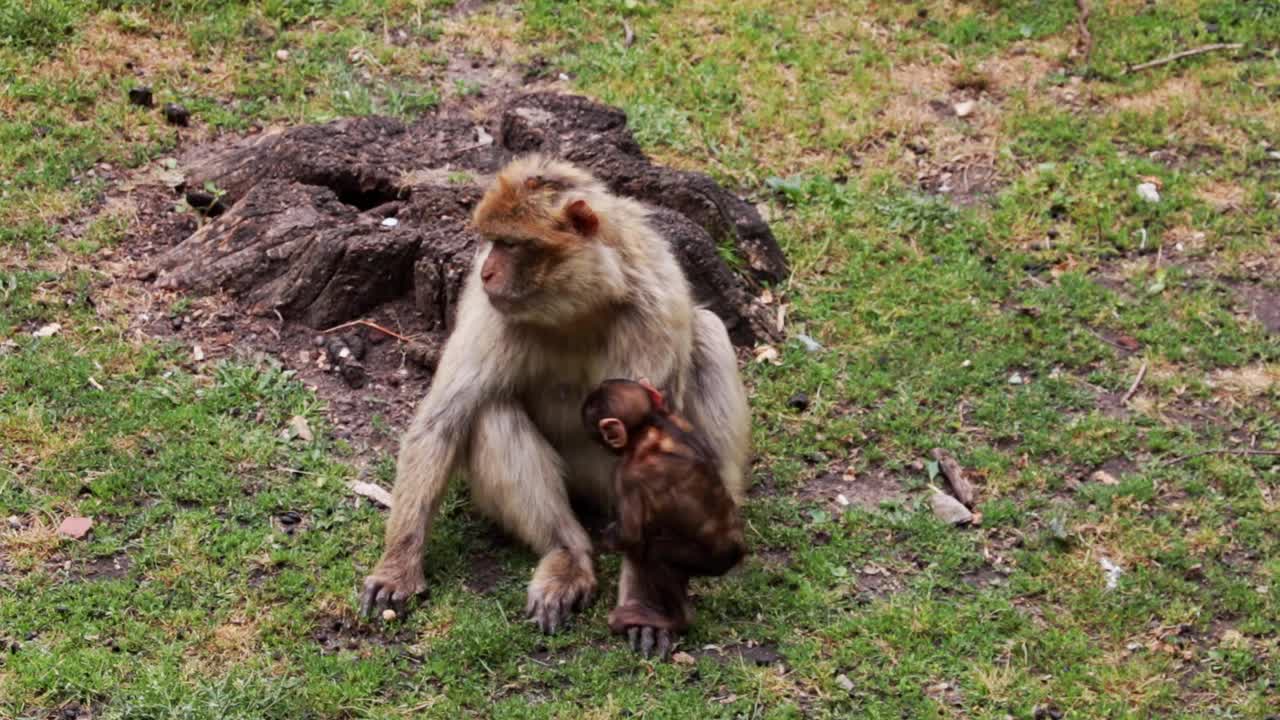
(563, 584)
(390, 586)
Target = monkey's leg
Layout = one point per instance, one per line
(716, 402)
(517, 479)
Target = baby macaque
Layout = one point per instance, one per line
(675, 518)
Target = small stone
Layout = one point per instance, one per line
(388, 615)
(389, 222)
(75, 527)
(949, 509)
(965, 109)
(844, 682)
(356, 344)
(1017, 379)
(14, 521)
(290, 517)
(47, 330)
(1274, 154)
(282, 55)
(354, 374)
(1149, 192)
(197, 353)
(799, 401)
(1102, 477)
(176, 114)
(841, 500)
(141, 96)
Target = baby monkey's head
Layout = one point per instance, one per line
(618, 410)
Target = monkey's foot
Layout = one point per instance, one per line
(390, 586)
(650, 632)
(650, 641)
(563, 584)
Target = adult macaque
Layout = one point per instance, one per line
(570, 287)
(675, 520)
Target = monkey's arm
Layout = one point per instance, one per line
(465, 381)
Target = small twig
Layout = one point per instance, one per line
(1142, 372)
(629, 35)
(368, 324)
(1082, 22)
(1104, 339)
(1184, 54)
(1221, 451)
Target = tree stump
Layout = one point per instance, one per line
(326, 223)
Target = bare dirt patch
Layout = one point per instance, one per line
(1260, 302)
(749, 653)
(863, 490)
(966, 182)
(335, 633)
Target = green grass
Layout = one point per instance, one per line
(189, 598)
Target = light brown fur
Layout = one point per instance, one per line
(503, 407)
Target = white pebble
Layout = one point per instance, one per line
(282, 55)
(388, 614)
(1149, 192)
(965, 109)
(390, 222)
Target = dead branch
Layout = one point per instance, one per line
(1128, 395)
(1086, 38)
(951, 469)
(368, 324)
(1221, 451)
(1214, 47)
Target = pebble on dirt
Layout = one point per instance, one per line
(949, 509)
(75, 527)
(799, 401)
(176, 114)
(1148, 191)
(141, 97)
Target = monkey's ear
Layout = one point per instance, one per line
(613, 432)
(655, 395)
(582, 217)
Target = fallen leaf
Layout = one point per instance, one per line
(769, 354)
(375, 493)
(682, 658)
(300, 428)
(1112, 571)
(75, 527)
